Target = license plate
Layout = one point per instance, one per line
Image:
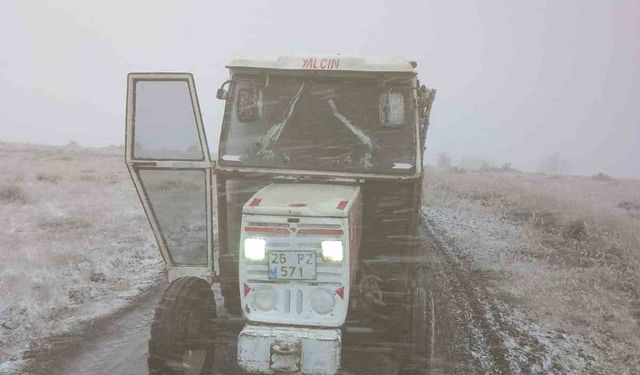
(292, 265)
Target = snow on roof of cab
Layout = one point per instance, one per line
(323, 62)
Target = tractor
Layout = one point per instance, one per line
(297, 248)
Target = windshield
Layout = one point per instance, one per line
(345, 125)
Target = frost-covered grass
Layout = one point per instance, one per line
(12, 192)
(565, 250)
(74, 242)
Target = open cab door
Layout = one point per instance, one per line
(168, 158)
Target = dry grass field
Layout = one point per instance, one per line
(563, 250)
(74, 241)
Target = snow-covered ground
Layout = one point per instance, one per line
(74, 243)
(558, 257)
(485, 243)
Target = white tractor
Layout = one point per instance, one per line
(297, 250)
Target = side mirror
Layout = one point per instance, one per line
(222, 94)
(391, 108)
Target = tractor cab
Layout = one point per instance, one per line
(306, 220)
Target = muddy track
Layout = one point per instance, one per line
(67, 353)
(471, 333)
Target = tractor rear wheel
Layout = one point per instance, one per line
(182, 333)
(420, 333)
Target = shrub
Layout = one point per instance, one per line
(12, 193)
(88, 177)
(630, 205)
(602, 177)
(507, 167)
(50, 178)
(65, 224)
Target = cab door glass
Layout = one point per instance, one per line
(165, 124)
(178, 200)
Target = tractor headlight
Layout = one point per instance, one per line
(332, 251)
(254, 248)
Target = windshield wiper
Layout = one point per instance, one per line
(273, 134)
(359, 133)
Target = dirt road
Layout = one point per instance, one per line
(467, 337)
(472, 333)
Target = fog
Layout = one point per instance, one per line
(516, 83)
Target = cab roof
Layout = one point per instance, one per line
(324, 62)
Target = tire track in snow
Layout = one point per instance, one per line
(475, 333)
(466, 342)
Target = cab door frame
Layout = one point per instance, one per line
(134, 165)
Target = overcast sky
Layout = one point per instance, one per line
(516, 82)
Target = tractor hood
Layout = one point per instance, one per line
(300, 199)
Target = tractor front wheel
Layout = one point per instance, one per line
(182, 333)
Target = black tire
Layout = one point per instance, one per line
(420, 333)
(184, 323)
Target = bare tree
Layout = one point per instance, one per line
(444, 161)
(554, 164)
